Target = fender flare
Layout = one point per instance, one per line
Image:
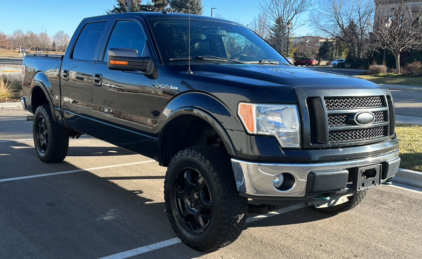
(203, 106)
(40, 80)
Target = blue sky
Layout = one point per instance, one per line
(53, 16)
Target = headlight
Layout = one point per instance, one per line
(281, 121)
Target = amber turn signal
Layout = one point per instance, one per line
(115, 62)
(246, 113)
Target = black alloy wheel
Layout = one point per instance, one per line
(51, 140)
(202, 201)
(42, 135)
(193, 200)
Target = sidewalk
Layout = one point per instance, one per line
(404, 87)
(408, 177)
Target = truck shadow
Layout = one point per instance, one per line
(300, 216)
(93, 214)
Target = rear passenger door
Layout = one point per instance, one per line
(76, 77)
(123, 101)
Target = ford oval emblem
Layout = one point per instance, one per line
(364, 118)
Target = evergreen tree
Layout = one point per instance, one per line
(53, 46)
(121, 7)
(182, 6)
(278, 37)
(159, 5)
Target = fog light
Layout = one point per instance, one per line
(278, 181)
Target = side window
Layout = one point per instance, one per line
(88, 41)
(128, 35)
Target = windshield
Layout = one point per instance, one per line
(211, 41)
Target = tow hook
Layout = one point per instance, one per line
(322, 198)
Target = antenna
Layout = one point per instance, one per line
(189, 71)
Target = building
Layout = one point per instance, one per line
(388, 8)
(309, 39)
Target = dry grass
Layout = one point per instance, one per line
(393, 79)
(410, 141)
(5, 89)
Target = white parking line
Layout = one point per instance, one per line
(174, 241)
(21, 119)
(144, 249)
(15, 140)
(72, 171)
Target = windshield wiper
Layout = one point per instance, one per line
(263, 62)
(206, 58)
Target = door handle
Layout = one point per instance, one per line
(98, 80)
(65, 74)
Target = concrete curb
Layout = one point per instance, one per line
(403, 87)
(11, 105)
(408, 177)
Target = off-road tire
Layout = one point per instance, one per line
(228, 209)
(50, 139)
(354, 201)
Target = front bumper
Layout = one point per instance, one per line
(256, 179)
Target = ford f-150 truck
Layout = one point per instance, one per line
(234, 122)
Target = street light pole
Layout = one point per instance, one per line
(212, 8)
(387, 26)
(129, 6)
(289, 26)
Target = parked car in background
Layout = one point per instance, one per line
(306, 62)
(336, 62)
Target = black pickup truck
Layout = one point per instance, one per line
(235, 123)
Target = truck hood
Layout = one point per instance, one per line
(281, 75)
(276, 81)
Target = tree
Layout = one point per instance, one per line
(182, 6)
(281, 13)
(399, 30)
(61, 40)
(18, 39)
(348, 21)
(159, 5)
(326, 50)
(261, 25)
(44, 40)
(31, 40)
(53, 46)
(121, 7)
(3, 40)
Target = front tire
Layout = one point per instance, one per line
(354, 201)
(202, 202)
(50, 139)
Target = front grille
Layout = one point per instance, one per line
(346, 103)
(357, 135)
(337, 120)
(381, 116)
(333, 120)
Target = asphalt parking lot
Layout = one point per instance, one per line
(103, 201)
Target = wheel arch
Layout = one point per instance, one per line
(184, 112)
(41, 92)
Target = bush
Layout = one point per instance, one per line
(413, 56)
(5, 89)
(356, 65)
(341, 65)
(377, 69)
(413, 69)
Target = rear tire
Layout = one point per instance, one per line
(354, 201)
(202, 202)
(50, 139)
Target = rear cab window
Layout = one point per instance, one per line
(88, 40)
